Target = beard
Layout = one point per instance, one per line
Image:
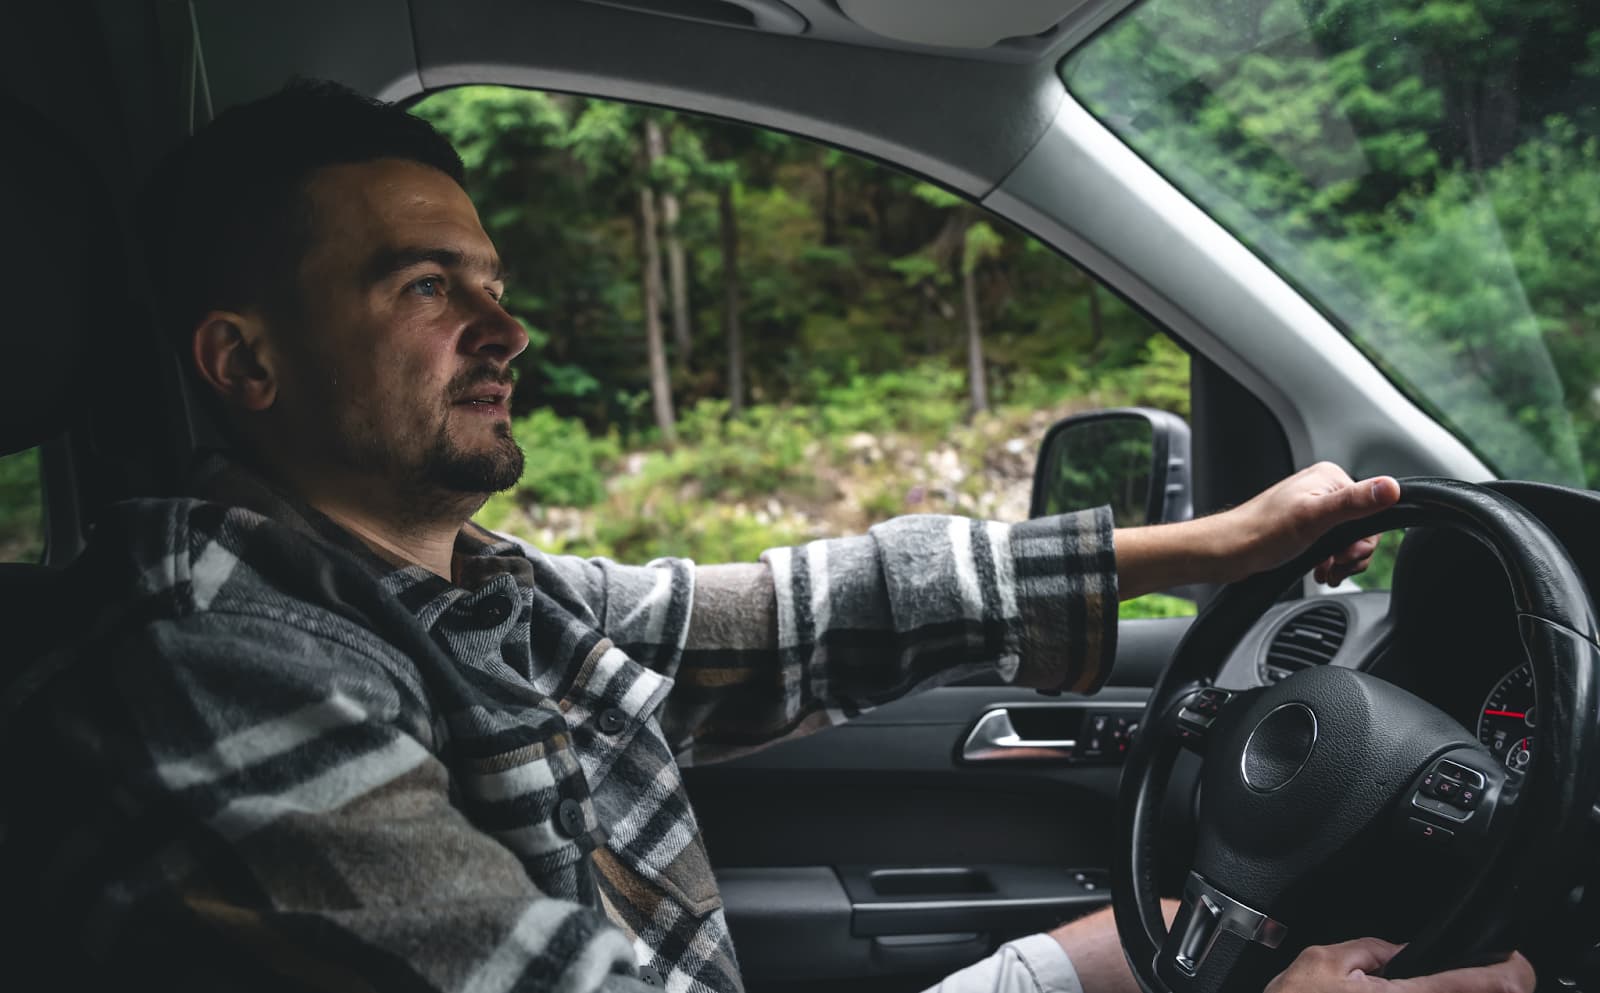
(446, 465)
(425, 467)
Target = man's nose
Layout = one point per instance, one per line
(493, 331)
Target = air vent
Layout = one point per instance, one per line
(1311, 637)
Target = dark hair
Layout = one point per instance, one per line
(225, 219)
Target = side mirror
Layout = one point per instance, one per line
(1134, 458)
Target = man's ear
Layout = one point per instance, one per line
(232, 355)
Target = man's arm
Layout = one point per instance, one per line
(814, 634)
(1267, 531)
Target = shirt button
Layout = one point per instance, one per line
(569, 818)
(489, 612)
(649, 976)
(612, 720)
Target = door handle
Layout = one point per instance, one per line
(994, 739)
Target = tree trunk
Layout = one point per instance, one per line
(655, 146)
(830, 234)
(1097, 328)
(976, 378)
(660, 385)
(678, 273)
(729, 226)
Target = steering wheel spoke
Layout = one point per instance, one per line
(1214, 939)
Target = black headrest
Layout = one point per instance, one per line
(60, 251)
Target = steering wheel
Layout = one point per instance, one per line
(1332, 765)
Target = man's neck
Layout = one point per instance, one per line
(430, 545)
(419, 528)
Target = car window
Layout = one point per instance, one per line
(740, 339)
(1427, 173)
(21, 508)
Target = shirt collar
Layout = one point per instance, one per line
(480, 555)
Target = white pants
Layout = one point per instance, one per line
(1035, 964)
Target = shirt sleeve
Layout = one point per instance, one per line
(814, 634)
(260, 802)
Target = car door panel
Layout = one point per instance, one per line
(876, 851)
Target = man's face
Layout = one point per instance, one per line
(397, 366)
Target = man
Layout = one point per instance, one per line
(327, 734)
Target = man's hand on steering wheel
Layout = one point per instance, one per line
(1264, 532)
(1348, 966)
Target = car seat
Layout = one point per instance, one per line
(81, 374)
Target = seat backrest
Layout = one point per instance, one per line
(55, 257)
(32, 595)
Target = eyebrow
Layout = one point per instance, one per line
(390, 261)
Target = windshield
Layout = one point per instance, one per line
(1426, 172)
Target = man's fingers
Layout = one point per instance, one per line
(1361, 498)
(1514, 975)
(1362, 549)
(1367, 955)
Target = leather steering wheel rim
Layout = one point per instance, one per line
(1557, 618)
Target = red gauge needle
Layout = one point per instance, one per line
(1505, 713)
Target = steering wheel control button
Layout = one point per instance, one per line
(1279, 748)
(1439, 807)
(1429, 833)
(1455, 770)
(1451, 787)
(1198, 713)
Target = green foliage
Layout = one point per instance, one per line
(565, 466)
(982, 242)
(702, 532)
(1380, 571)
(1427, 172)
(1155, 605)
(1100, 461)
(925, 400)
(838, 272)
(741, 458)
(936, 196)
(21, 508)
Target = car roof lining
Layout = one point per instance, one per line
(931, 114)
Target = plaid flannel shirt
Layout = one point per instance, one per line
(280, 760)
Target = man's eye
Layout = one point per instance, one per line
(428, 286)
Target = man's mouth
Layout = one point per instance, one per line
(488, 398)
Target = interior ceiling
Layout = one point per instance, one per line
(962, 117)
(958, 23)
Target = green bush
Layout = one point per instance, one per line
(21, 508)
(1155, 605)
(668, 526)
(766, 449)
(566, 466)
(927, 400)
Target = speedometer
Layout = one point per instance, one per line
(1505, 723)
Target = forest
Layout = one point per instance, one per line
(740, 338)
